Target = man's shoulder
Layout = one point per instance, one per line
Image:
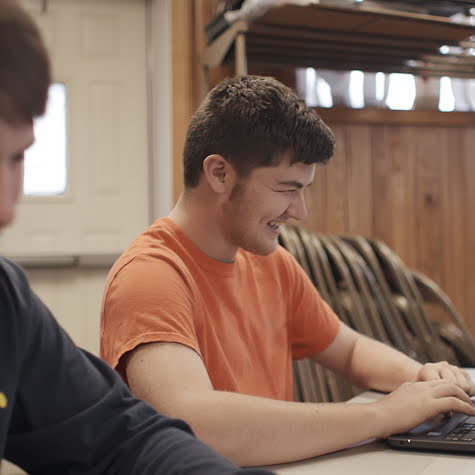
(13, 281)
(9, 269)
(161, 242)
(15, 301)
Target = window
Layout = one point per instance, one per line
(446, 96)
(397, 91)
(356, 89)
(45, 161)
(401, 91)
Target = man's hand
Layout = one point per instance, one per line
(447, 372)
(413, 403)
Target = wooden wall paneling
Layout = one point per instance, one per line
(325, 198)
(423, 172)
(382, 218)
(198, 44)
(401, 189)
(315, 199)
(393, 187)
(454, 235)
(359, 180)
(415, 183)
(469, 256)
(427, 202)
(336, 215)
(203, 12)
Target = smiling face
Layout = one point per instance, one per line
(259, 204)
(14, 140)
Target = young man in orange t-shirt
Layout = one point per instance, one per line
(204, 313)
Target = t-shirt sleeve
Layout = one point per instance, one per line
(313, 325)
(148, 300)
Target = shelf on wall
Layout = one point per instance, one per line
(344, 38)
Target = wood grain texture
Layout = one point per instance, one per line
(428, 202)
(412, 187)
(454, 218)
(335, 186)
(359, 183)
(469, 234)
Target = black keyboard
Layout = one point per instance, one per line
(464, 432)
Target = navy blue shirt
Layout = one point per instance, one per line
(64, 411)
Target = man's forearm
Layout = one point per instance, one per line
(258, 431)
(377, 366)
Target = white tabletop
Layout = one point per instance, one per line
(374, 457)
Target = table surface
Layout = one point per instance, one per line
(375, 457)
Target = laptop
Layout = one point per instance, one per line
(454, 433)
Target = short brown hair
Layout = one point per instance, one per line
(24, 65)
(252, 121)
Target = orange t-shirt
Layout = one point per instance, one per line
(247, 320)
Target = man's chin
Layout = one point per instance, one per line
(263, 250)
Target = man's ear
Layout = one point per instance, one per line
(219, 173)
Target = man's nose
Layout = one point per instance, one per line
(298, 209)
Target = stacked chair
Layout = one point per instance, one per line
(372, 291)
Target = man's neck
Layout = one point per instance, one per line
(198, 216)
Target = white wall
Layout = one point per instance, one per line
(160, 75)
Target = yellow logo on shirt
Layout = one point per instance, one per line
(3, 401)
